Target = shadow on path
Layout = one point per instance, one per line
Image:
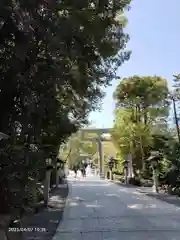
(171, 199)
(123, 184)
(43, 225)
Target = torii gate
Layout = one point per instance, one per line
(99, 139)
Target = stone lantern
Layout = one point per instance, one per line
(154, 159)
(126, 162)
(49, 168)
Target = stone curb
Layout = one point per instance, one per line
(65, 211)
(122, 184)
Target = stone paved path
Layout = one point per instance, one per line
(100, 210)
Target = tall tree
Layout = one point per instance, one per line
(142, 102)
(130, 137)
(146, 96)
(55, 57)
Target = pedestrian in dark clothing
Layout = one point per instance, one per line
(75, 171)
(83, 171)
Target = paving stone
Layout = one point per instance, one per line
(101, 210)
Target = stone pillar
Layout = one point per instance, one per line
(47, 187)
(66, 170)
(57, 177)
(155, 180)
(126, 175)
(101, 164)
(130, 166)
(110, 175)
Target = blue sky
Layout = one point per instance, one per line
(155, 44)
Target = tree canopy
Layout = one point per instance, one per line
(55, 57)
(141, 104)
(147, 96)
(142, 125)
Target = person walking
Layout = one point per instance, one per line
(75, 171)
(83, 171)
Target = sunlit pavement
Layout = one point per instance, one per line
(97, 210)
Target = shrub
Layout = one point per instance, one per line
(135, 181)
(117, 172)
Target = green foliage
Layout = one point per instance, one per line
(147, 96)
(142, 104)
(141, 126)
(79, 149)
(176, 89)
(173, 156)
(131, 138)
(55, 57)
(89, 147)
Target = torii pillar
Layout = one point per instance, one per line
(101, 158)
(98, 140)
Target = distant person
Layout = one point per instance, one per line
(83, 170)
(75, 171)
(88, 170)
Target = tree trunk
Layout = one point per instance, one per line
(142, 154)
(145, 116)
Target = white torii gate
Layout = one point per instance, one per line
(99, 139)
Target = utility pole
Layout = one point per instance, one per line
(174, 95)
(175, 116)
